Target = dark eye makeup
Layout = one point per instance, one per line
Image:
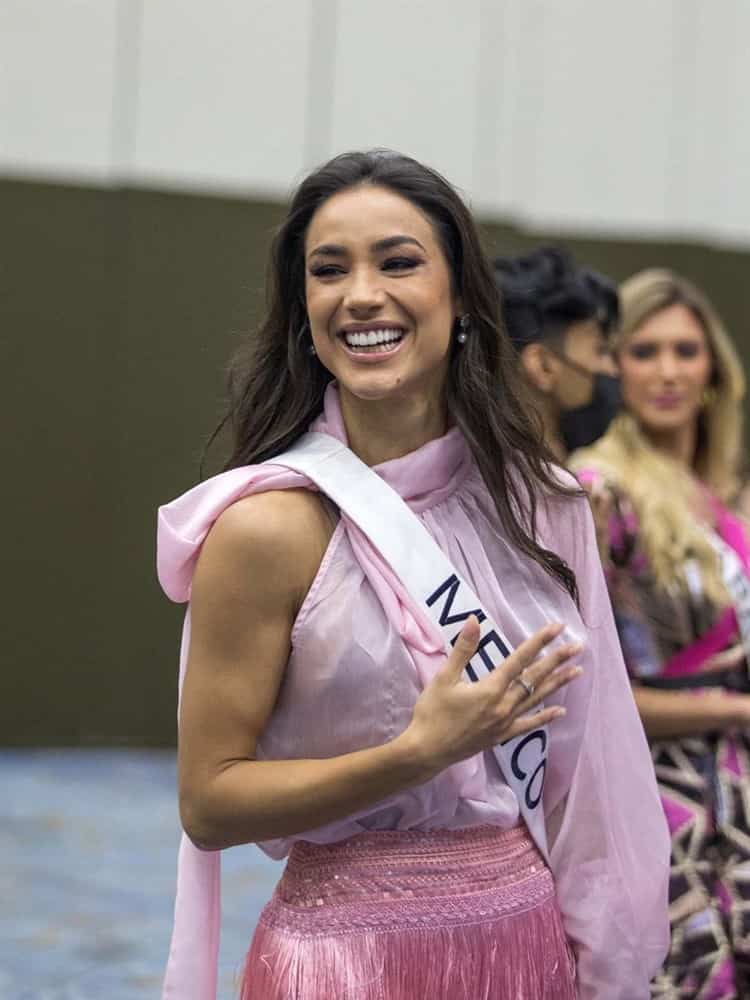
(641, 351)
(400, 263)
(683, 349)
(688, 349)
(325, 270)
(390, 264)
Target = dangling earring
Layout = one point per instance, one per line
(302, 336)
(463, 333)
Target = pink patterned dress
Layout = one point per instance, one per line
(704, 780)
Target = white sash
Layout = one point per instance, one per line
(736, 581)
(417, 560)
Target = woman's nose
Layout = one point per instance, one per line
(364, 290)
(667, 365)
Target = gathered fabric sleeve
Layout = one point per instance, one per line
(609, 843)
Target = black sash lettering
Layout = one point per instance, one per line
(491, 638)
(532, 800)
(446, 618)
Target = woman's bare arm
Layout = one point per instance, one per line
(254, 570)
(666, 714)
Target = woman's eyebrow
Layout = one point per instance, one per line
(394, 241)
(388, 243)
(328, 250)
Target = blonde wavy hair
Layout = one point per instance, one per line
(667, 498)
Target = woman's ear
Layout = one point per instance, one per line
(540, 367)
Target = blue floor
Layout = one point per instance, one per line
(88, 846)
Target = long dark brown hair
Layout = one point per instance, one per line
(276, 386)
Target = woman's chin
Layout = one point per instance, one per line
(372, 386)
(397, 380)
(667, 421)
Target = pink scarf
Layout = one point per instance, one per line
(182, 528)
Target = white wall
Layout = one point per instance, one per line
(594, 115)
(58, 79)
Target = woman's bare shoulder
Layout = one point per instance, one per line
(273, 517)
(277, 538)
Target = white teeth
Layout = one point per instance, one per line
(370, 338)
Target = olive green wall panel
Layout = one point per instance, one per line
(119, 310)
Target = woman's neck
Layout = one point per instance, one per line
(678, 444)
(381, 430)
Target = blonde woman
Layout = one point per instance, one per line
(677, 562)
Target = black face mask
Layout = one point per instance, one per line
(585, 424)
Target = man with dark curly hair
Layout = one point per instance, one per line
(558, 316)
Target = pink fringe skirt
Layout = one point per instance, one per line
(465, 914)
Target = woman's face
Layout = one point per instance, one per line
(665, 365)
(378, 293)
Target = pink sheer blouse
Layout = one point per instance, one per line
(360, 656)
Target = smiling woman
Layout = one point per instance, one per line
(398, 283)
(381, 687)
(381, 316)
(678, 564)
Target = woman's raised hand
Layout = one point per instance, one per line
(454, 719)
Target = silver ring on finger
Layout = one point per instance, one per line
(528, 686)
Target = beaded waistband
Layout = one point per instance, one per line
(395, 877)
